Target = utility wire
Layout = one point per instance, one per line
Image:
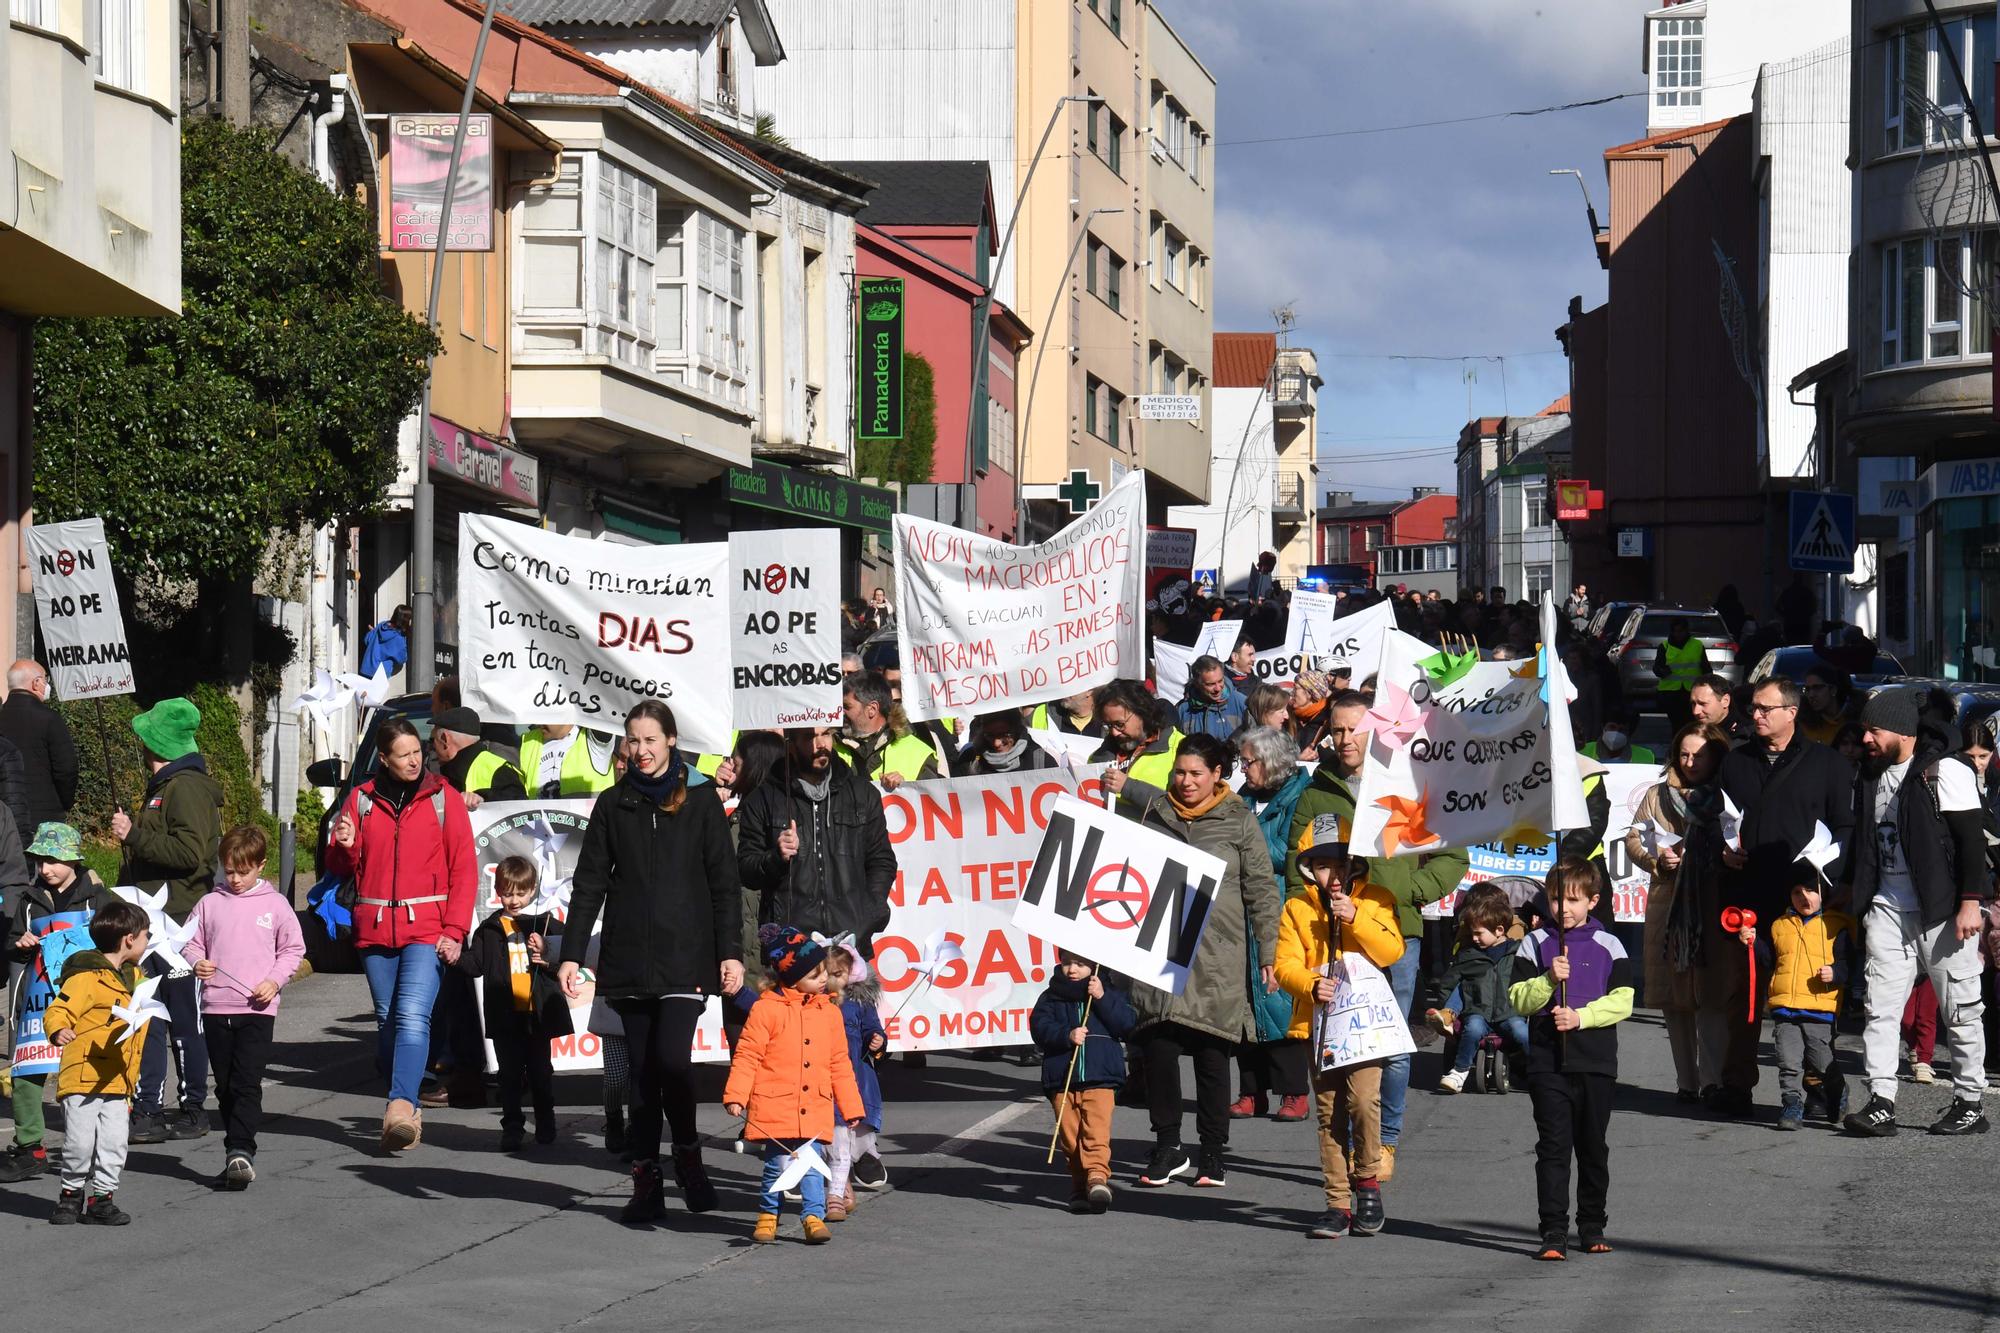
(1433, 124)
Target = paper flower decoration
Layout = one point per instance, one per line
(1822, 851)
(324, 699)
(1448, 668)
(142, 1010)
(1405, 827)
(1396, 719)
(369, 691)
(806, 1159)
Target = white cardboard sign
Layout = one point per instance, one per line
(1362, 1021)
(785, 617)
(76, 602)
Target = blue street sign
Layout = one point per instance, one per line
(1822, 532)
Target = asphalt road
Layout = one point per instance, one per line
(1721, 1225)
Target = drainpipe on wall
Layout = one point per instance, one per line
(322, 151)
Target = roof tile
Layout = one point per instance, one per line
(1243, 360)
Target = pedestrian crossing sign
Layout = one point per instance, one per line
(1822, 532)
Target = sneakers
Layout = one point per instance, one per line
(1441, 1021)
(1079, 1203)
(1213, 1174)
(766, 1230)
(816, 1232)
(103, 1211)
(1169, 1160)
(1921, 1072)
(1453, 1081)
(238, 1172)
(869, 1173)
(69, 1209)
(23, 1163)
(148, 1127)
(1595, 1245)
(1877, 1119)
(1792, 1115)
(1099, 1194)
(649, 1197)
(697, 1190)
(1961, 1117)
(512, 1138)
(836, 1210)
(1369, 1216)
(1555, 1249)
(1250, 1104)
(190, 1122)
(1332, 1225)
(1293, 1109)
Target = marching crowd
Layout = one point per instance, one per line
(764, 876)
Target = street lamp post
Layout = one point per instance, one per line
(1035, 376)
(1589, 209)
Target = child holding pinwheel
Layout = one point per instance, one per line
(790, 1073)
(1080, 1023)
(100, 1063)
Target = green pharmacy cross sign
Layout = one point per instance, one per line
(879, 360)
(1080, 492)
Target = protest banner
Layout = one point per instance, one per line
(1217, 638)
(34, 987)
(1353, 641)
(1362, 1021)
(1463, 752)
(76, 604)
(785, 613)
(565, 629)
(1169, 569)
(1172, 663)
(983, 625)
(1122, 895)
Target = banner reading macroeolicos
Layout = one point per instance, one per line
(785, 589)
(566, 629)
(983, 625)
(77, 605)
(1120, 894)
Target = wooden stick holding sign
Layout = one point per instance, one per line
(1075, 1059)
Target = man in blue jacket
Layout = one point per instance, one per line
(1211, 706)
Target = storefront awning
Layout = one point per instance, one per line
(813, 495)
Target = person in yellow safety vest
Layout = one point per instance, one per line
(467, 764)
(558, 759)
(941, 734)
(708, 764)
(876, 740)
(1614, 744)
(1074, 716)
(1139, 741)
(1679, 662)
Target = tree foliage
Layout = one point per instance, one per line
(272, 401)
(911, 459)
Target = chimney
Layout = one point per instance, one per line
(1420, 492)
(1339, 499)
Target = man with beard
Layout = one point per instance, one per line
(1919, 879)
(876, 739)
(1139, 742)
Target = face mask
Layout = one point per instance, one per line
(1614, 739)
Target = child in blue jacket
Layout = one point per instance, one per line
(1081, 1023)
(856, 1160)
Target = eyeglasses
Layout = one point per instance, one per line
(1765, 710)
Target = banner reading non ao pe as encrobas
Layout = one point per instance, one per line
(983, 625)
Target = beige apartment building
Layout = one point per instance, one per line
(1110, 263)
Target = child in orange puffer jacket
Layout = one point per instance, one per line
(792, 1073)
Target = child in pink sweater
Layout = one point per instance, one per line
(245, 946)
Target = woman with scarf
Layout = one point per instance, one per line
(1274, 1062)
(1676, 837)
(1310, 692)
(1211, 1016)
(658, 864)
(1001, 744)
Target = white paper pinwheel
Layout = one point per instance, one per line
(1731, 823)
(940, 951)
(1395, 718)
(324, 699)
(142, 1009)
(548, 841)
(806, 1159)
(1657, 837)
(167, 938)
(369, 691)
(155, 902)
(1822, 851)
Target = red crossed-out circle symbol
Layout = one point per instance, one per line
(1121, 905)
(66, 563)
(774, 578)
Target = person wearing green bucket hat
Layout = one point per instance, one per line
(171, 845)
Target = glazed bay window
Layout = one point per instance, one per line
(1917, 76)
(118, 44)
(1677, 63)
(703, 303)
(587, 251)
(1934, 298)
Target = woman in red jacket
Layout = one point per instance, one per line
(406, 841)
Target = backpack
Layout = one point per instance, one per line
(347, 894)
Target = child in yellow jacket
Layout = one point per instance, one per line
(1342, 914)
(100, 1064)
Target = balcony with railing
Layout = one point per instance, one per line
(1288, 497)
(1295, 382)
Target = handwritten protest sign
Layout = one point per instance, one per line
(1120, 894)
(565, 629)
(35, 986)
(1173, 663)
(983, 625)
(1353, 641)
(1489, 765)
(1362, 1021)
(76, 604)
(785, 613)
(1217, 638)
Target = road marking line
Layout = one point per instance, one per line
(1001, 1118)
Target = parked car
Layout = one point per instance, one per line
(1606, 622)
(1973, 701)
(1792, 663)
(1647, 627)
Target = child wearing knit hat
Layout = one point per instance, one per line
(790, 1076)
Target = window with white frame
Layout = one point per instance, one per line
(1677, 63)
(1540, 579)
(548, 299)
(39, 13)
(1934, 298)
(1171, 126)
(1198, 142)
(622, 273)
(119, 53)
(1176, 254)
(1917, 75)
(1534, 504)
(721, 366)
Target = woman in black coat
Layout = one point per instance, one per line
(657, 862)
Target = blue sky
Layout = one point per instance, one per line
(1449, 241)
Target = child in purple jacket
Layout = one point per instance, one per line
(244, 946)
